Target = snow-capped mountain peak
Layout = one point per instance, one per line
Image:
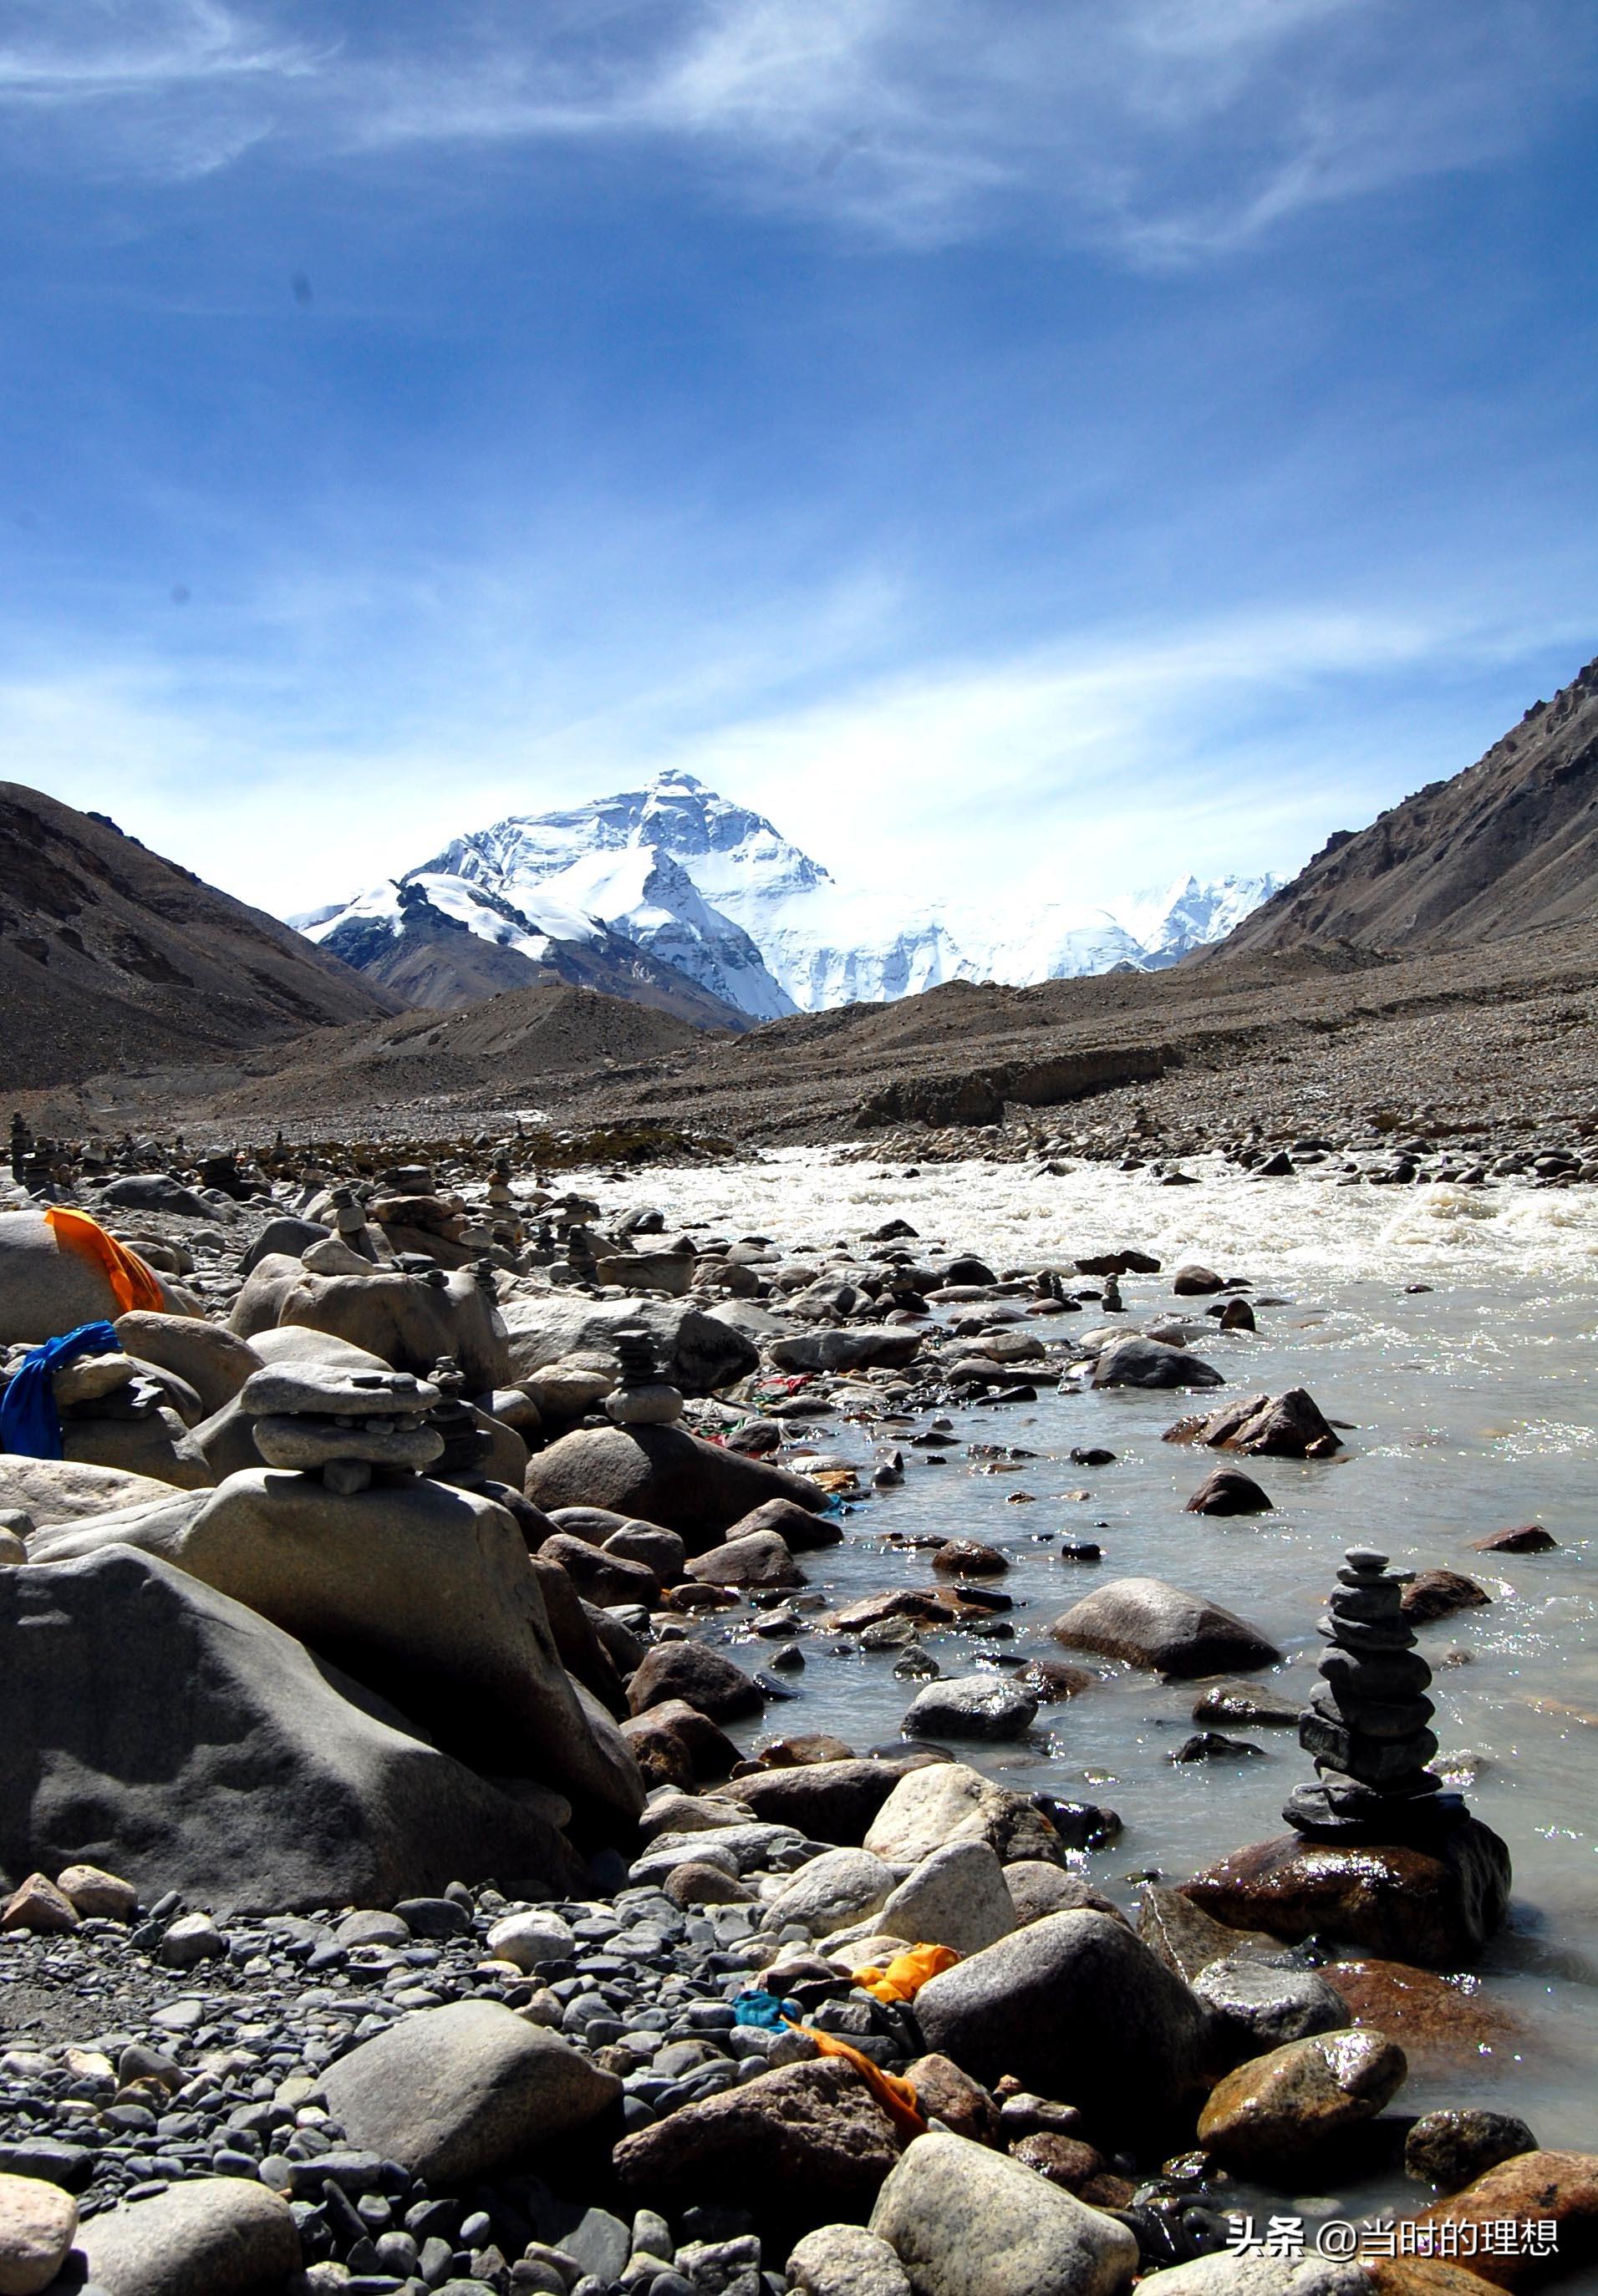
(715, 891)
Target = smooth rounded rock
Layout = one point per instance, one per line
(1277, 2113)
(215, 2237)
(38, 2221)
(971, 1706)
(956, 1898)
(845, 2260)
(965, 2221)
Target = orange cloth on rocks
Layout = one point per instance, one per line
(893, 2092)
(903, 1978)
(133, 1284)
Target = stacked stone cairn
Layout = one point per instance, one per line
(466, 1445)
(345, 1426)
(642, 1398)
(1368, 1725)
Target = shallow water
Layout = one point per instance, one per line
(1473, 1407)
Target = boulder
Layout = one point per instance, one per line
(1148, 1623)
(420, 1591)
(700, 1677)
(1036, 1889)
(660, 1551)
(299, 1343)
(946, 2093)
(971, 1706)
(1286, 1426)
(696, 1352)
(152, 1442)
(600, 1576)
(1228, 1491)
(839, 1887)
(213, 1360)
(1442, 2024)
(847, 1348)
(1439, 1593)
(829, 1801)
(1135, 1361)
(676, 1745)
(577, 1637)
(213, 2237)
(1559, 2188)
(44, 1291)
(1407, 1905)
(410, 1321)
(1264, 2005)
(1260, 2275)
(946, 1802)
(159, 1729)
(1076, 2007)
(810, 2140)
(1286, 2113)
(36, 2223)
(64, 1491)
(965, 2221)
(762, 1558)
(956, 1898)
(1450, 2148)
(799, 1528)
(696, 1488)
(1188, 1940)
(845, 2260)
(457, 2092)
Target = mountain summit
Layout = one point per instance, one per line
(717, 895)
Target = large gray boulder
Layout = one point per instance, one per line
(956, 1898)
(947, 1801)
(215, 2237)
(409, 1321)
(829, 1802)
(215, 1362)
(967, 2221)
(163, 1732)
(696, 1488)
(65, 1490)
(457, 2092)
(422, 1592)
(1259, 2275)
(1135, 1361)
(697, 1352)
(848, 1348)
(1148, 1623)
(44, 1291)
(1076, 2007)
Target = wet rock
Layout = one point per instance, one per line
(809, 2139)
(456, 2092)
(272, 1782)
(1401, 1904)
(957, 1897)
(1228, 1491)
(1439, 1593)
(1133, 1361)
(968, 1558)
(1441, 2023)
(215, 2237)
(1264, 2006)
(799, 1529)
(761, 1558)
(1530, 1538)
(1532, 2188)
(946, 2093)
(1213, 1746)
(846, 1347)
(1186, 1938)
(1240, 1703)
(663, 1475)
(36, 2223)
(700, 1677)
(1148, 1623)
(946, 1802)
(1065, 2161)
(1279, 2114)
(696, 1352)
(1074, 2005)
(1194, 1280)
(829, 1801)
(966, 2221)
(1450, 2148)
(1286, 1426)
(971, 1706)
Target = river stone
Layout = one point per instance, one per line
(1228, 1491)
(64, 1491)
(212, 1360)
(1264, 2005)
(422, 1592)
(1075, 2007)
(457, 2092)
(36, 2223)
(272, 1782)
(213, 2237)
(408, 1322)
(1451, 2147)
(1148, 1623)
(847, 1348)
(1286, 1426)
(965, 2221)
(845, 2260)
(1264, 2275)
(799, 1529)
(1439, 1593)
(695, 1352)
(1277, 2115)
(947, 1801)
(1403, 1905)
(810, 2142)
(660, 1551)
(1560, 2187)
(829, 1801)
(1442, 2024)
(1036, 1889)
(839, 1887)
(674, 1744)
(761, 1558)
(600, 1576)
(663, 1474)
(702, 1677)
(971, 1706)
(957, 1897)
(1133, 1361)
(532, 1938)
(44, 1291)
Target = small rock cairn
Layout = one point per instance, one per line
(1368, 1725)
(343, 1426)
(643, 1398)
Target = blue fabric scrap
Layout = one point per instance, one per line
(30, 1421)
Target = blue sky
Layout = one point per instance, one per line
(1024, 445)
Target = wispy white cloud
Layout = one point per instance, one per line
(1167, 128)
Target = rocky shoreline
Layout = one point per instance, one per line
(391, 1909)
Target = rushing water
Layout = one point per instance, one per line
(1473, 1408)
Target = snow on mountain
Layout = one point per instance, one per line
(714, 890)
